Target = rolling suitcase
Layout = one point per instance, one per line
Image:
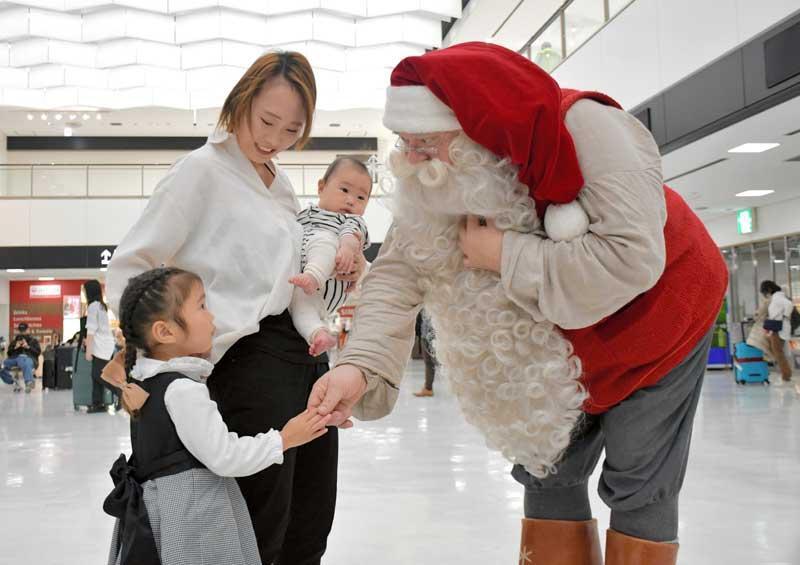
(749, 365)
(63, 366)
(49, 368)
(82, 383)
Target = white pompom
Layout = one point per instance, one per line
(564, 222)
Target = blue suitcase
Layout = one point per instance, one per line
(749, 365)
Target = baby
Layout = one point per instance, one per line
(333, 233)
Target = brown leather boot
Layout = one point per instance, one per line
(627, 550)
(559, 542)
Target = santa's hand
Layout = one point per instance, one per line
(336, 392)
(482, 245)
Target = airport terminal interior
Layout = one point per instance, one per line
(108, 108)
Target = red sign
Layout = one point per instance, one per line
(41, 308)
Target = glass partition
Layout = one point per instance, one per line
(569, 28)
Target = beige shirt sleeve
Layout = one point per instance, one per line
(382, 335)
(577, 283)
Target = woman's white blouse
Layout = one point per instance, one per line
(212, 215)
(98, 326)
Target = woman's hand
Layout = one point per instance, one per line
(88, 356)
(482, 244)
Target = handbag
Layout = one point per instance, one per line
(773, 325)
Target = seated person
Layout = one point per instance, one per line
(23, 352)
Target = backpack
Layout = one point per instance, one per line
(794, 320)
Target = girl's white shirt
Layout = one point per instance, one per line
(199, 423)
(212, 215)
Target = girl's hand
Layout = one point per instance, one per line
(303, 428)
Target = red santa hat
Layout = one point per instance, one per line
(505, 103)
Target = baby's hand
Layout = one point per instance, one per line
(303, 428)
(321, 341)
(345, 259)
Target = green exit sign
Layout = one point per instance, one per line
(746, 220)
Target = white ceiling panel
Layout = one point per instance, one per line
(275, 7)
(117, 23)
(68, 51)
(14, 23)
(289, 28)
(356, 8)
(220, 24)
(320, 55)
(334, 29)
(56, 25)
(13, 78)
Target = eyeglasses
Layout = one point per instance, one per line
(431, 148)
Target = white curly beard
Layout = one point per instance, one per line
(515, 379)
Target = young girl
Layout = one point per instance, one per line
(175, 500)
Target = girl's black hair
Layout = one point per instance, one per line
(154, 295)
(94, 293)
(353, 161)
(769, 287)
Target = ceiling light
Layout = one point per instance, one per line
(86, 116)
(753, 147)
(778, 261)
(103, 269)
(98, 116)
(58, 116)
(30, 116)
(753, 193)
(43, 117)
(73, 116)
(15, 270)
(67, 131)
(47, 278)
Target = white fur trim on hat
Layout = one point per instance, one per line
(415, 109)
(564, 222)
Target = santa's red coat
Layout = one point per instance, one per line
(642, 342)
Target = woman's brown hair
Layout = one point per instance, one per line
(290, 65)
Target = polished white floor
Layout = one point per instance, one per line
(418, 487)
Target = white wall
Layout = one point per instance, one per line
(98, 221)
(653, 44)
(772, 221)
(142, 157)
(3, 152)
(5, 300)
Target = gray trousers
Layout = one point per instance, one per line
(646, 438)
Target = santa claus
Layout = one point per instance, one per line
(571, 293)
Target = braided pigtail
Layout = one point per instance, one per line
(154, 295)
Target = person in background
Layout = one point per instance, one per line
(99, 344)
(426, 337)
(778, 325)
(24, 353)
(758, 337)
